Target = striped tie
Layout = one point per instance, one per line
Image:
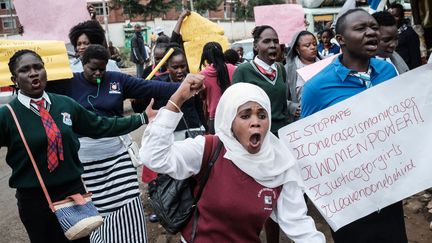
(55, 145)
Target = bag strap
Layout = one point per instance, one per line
(203, 180)
(31, 158)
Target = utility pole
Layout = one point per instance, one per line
(12, 18)
(105, 16)
(191, 5)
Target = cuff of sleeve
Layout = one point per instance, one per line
(168, 118)
(144, 118)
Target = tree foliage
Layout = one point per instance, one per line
(152, 9)
(245, 11)
(204, 5)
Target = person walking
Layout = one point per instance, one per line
(138, 51)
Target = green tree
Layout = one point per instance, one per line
(204, 5)
(245, 11)
(152, 9)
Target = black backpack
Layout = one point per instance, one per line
(173, 200)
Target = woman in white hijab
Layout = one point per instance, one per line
(254, 177)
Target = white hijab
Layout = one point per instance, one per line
(274, 164)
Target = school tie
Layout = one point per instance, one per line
(55, 146)
(364, 77)
(271, 75)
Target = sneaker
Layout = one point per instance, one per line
(153, 218)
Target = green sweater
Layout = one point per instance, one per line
(71, 119)
(249, 73)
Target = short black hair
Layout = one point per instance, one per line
(91, 28)
(329, 31)
(177, 51)
(340, 23)
(231, 56)
(257, 31)
(13, 61)
(384, 18)
(398, 6)
(95, 51)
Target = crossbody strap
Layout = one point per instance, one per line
(203, 179)
(31, 158)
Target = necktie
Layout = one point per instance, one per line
(271, 75)
(55, 146)
(364, 77)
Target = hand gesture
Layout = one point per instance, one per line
(185, 13)
(91, 10)
(151, 114)
(191, 86)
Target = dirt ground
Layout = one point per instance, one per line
(417, 220)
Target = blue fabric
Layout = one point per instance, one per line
(114, 89)
(335, 49)
(374, 4)
(70, 216)
(334, 84)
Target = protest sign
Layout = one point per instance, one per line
(53, 54)
(309, 71)
(369, 151)
(286, 19)
(50, 19)
(196, 32)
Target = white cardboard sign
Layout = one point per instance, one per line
(369, 151)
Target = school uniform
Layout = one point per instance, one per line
(71, 119)
(243, 189)
(330, 86)
(108, 170)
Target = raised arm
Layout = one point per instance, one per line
(158, 150)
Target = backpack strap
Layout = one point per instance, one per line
(211, 142)
(206, 166)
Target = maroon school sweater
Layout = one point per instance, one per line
(233, 206)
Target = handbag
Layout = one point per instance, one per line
(173, 201)
(193, 132)
(77, 215)
(133, 150)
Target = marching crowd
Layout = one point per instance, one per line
(254, 183)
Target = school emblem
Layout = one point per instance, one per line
(114, 88)
(268, 196)
(67, 118)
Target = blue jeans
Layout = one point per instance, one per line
(139, 70)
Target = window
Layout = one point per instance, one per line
(8, 23)
(4, 4)
(99, 8)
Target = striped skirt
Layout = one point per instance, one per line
(114, 184)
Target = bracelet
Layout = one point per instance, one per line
(175, 105)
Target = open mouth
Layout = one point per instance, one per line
(36, 83)
(255, 139)
(371, 44)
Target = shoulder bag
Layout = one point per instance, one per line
(76, 214)
(173, 201)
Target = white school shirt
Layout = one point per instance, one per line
(182, 159)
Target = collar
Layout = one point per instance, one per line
(342, 72)
(265, 66)
(25, 100)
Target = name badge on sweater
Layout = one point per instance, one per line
(67, 118)
(114, 88)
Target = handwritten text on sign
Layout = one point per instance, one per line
(368, 151)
